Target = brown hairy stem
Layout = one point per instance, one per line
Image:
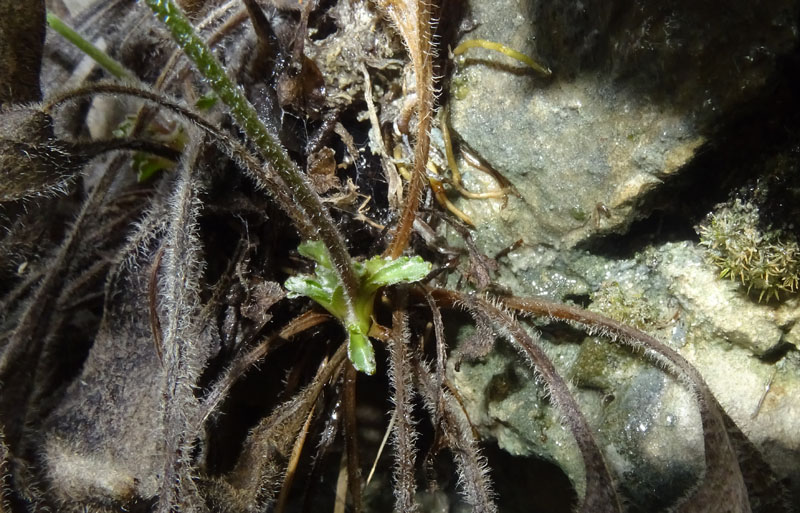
(413, 19)
(600, 495)
(351, 437)
(458, 435)
(441, 352)
(723, 482)
(404, 434)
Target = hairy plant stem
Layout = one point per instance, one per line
(413, 19)
(351, 438)
(460, 437)
(184, 355)
(404, 434)
(247, 118)
(600, 495)
(723, 481)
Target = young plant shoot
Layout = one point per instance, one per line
(325, 287)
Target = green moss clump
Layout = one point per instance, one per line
(766, 261)
(600, 364)
(626, 306)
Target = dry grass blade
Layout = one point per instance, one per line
(381, 447)
(340, 506)
(291, 468)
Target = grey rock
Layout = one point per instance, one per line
(720, 308)
(637, 89)
(646, 422)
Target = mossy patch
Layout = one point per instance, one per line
(765, 260)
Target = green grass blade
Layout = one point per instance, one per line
(99, 56)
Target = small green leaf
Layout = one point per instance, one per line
(147, 165)
(125, 128)
(304, 285)
(316, 251)
(360, 351)
(382, 272)
(325, 288)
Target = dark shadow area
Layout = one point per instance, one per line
(678, 51)
(529, 485)
(755, 155)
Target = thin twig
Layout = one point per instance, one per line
(385, 439)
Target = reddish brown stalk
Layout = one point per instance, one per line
(413, 19)
(403, 232)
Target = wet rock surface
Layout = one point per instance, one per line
(636, 91)
(647, 422)
(638, 95)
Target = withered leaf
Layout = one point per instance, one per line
(262, 297)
